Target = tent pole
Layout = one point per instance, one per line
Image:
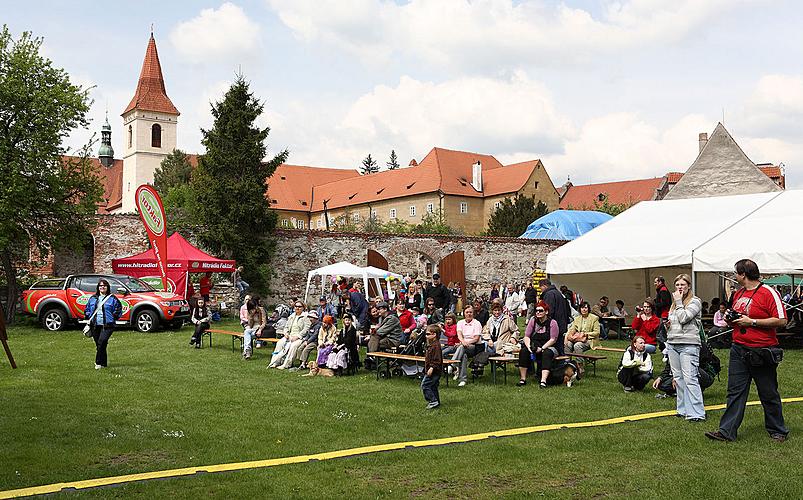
(693, 276)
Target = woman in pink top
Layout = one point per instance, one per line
(469, 333)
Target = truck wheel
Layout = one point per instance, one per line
(146, 321)
(54, 319)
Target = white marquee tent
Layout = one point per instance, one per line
(667, 237)
(349, 270)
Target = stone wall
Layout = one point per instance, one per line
(487, 260)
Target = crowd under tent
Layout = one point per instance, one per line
(565, 225)
(329, 274)
(702, 237)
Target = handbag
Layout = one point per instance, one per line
(87, 327)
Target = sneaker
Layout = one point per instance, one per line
(717, 436)
(197, 346)
(462, 383)
(450, 369)
(192, 342)
(696, 419)
(433, 405)
(97, 366)
(282, 367)
(778, 438)
(455, 376)
(628, 388)
(542, 385)
(680, 415)
(521, 383)
(661, 395)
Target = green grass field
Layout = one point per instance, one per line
(164, 405)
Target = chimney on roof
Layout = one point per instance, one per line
(703, 140)
(413, 163)
(476, 176)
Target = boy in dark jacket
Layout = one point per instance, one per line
(433, 366)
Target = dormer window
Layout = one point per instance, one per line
(602, 197)
(156, 136)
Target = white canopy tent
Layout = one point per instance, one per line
(668, 237)
(771, 236)
(349, 270)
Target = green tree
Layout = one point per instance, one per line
(612, 209)
(373, 224)
(344, 223)
(369, 166)
(393, 164)
(396, 226)
(175, 170)
(47, 198)
(514, 215)
(230, 184)
(433, 223)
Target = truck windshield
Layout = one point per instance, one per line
(136, 285)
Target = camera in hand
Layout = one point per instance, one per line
(731, 315)
(638, 308)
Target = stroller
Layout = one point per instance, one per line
(417, 346)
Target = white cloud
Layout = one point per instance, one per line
(775, 108)
(476, 114)
(622, 146)
(490, 32)
(222, 33)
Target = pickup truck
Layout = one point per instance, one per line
(59, 302)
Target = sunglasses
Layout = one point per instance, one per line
(540, 310)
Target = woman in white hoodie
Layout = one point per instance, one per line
(683, 349)
(635, 370)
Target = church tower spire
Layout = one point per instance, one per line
(150, 123)
(106, 152)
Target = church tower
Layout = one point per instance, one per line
(149, 128)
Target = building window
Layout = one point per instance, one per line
(355, 217)
(320, 223)
(285, 223)
(430, 208)
(463, 207)
(156, 136)
(535, 184)
(130, 136)
(412, 210)
(373, 214)
(497, 204)
(392, 213)
(299, 224)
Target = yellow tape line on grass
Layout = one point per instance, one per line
(350, 452)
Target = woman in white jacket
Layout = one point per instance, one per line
(635, 370)
(683, 349)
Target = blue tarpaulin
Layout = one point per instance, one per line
(565, 225)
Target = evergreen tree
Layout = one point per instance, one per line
(369, 166)
(393, 164)
(230, 183)
(175, 170)
(513, 216)
(46, 198)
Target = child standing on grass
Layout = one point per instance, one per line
(433, 364)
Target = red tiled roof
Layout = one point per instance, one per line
(112, 180)
(673, 177)
(151, 94)
(583, 197)
(441, 170)
(769, 170)
(290, 186)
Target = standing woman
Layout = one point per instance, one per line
(683, 348)
(102, 311)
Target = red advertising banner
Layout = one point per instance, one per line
(152, 213)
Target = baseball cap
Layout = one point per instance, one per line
(381, 304)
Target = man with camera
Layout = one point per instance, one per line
(756, 311)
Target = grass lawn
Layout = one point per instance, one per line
(163, 405)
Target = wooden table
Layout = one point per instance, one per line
(388, 356)
(503, 360)
(234, 335)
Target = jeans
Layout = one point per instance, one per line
(429, 385)
(650, 349)
(685, 362)
(462, 354)
(242, 287)
(248, 339)
(740, 373)
(101, 334)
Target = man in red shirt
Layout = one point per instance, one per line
(762, 311)
(206, 286)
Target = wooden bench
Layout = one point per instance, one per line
(388, 356)
(591, 359)
(609, 349)
(234, 336)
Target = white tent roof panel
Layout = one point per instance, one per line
(653, 234)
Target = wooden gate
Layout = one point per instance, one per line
(452, 269)
(375, 259)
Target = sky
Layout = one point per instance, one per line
(598, 90)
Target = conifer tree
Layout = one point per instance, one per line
(514, 215)
(369, 166)
(393, 164)
(230, 184)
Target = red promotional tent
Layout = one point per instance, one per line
(182, 258)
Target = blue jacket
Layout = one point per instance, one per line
(329, 310)
(112, 309)
(359, 306)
